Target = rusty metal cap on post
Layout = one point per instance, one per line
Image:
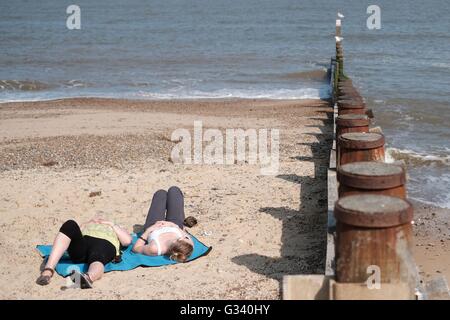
(351, 104)
(345, 80)
(348, 90)
(344, 97)
(352, 120)
(373, 211)
(361, 140)
(343, 100)
(371, 175)
(347, 94)
(346, 85)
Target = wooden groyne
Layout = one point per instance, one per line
(369, 227)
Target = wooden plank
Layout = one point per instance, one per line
(306, 287)
(360, 291)
(332, 197)
(331, 223)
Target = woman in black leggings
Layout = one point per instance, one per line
(164, 230)
(96, 243)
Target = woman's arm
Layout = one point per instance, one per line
(123, 235)
(140, 244)
(147, 249)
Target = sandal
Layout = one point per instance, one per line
(45, 280)
(84, 279)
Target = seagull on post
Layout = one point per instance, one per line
(338, 39)
(340, 15)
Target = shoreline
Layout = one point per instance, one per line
(322, 94)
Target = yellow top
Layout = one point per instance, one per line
(102, 231)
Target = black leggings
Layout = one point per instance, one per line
(171, 201)
(87, 249)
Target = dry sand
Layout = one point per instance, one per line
(53, 154)
(432, 241)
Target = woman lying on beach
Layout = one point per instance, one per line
(164, 231)
(96, 243)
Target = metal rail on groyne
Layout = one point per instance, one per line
(369, 232)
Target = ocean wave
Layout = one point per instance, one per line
(288, 94)
(74, 84)
(34, 85)
(441, 65)
(431, 189)
(276, 94)
(416, 158)
(316, 75)
(24, 85)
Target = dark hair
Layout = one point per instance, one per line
(180, 250)
(190, 221)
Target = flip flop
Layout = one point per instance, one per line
(85, 281)
(45, 280)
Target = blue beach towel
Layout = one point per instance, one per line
(130, 260)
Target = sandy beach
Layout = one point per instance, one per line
(54, 154)
(432, 240)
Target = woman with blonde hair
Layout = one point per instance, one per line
(164, 228)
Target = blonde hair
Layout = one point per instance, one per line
(180, 251)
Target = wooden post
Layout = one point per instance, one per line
(338, 28)
(351, 123)
(337, 77)
(339, 51)
(347, 94)
(355, 147)
(346, 81)
(351, 107)
(348, 91)
(340, 57)
(374, 233)
(346, 86)
(371, 177)
(353, 96)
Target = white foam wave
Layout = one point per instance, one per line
(302, 93)
(416, 158)
(182, 93)
(431, 189)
